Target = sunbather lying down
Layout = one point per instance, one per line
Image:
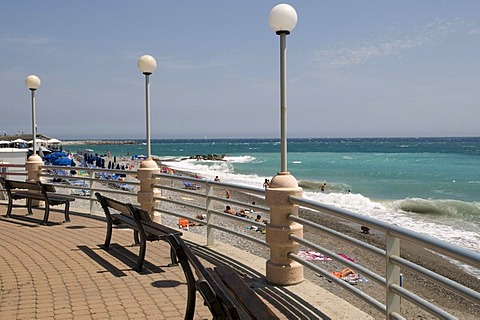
(349, 276)
(185, 223)
(344, 272)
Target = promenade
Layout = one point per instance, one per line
(60, 271)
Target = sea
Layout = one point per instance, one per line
(429, 185)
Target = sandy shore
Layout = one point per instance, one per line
(460, 307)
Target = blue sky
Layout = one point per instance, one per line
(355, 68)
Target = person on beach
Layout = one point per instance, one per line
(229, 210)
(216, 179)
(323, 187)
(266, 184)
(365, 229)
(201, 216)
(227, 193)
(259, 219)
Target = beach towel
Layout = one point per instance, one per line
(343, 255)
(312, 256)
(183, 223)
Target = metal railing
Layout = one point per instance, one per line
(210, 197)
(394, 234)
(212, 213)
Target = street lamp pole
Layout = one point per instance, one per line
(283, 19)
(148, 167)
(33, 83)
(147, 65)
(280, 269)
(283, 100)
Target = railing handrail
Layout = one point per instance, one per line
(451, 250)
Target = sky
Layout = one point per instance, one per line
(355, 68)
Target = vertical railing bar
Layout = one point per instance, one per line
(208, 206)
(392, 275)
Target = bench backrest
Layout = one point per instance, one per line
(23, 185)
(126, 209)
(108, 203)
(48, 187)
(215, 298)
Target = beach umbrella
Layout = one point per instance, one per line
(43, 149)
(19, 141)
(53, 140)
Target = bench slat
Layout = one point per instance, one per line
(247, 297)
(235, 307)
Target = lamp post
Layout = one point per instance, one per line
(33, 83)
(283, 19)
(34, 163)
(147, 65)
(145, 174)
(280, 269)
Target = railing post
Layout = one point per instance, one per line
(91, 176)
(393, 274)
(208, 205)
(147, 192)
(33, 166)
(280, 269)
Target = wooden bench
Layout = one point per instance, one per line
(223, 290)
(35, 190)
(144, 229)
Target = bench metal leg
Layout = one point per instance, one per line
(108, 237)
(67, 209)
(29, 207)
(191, 289)
(141, 255)
(47, 213)
(136, 238)
(173, 257)
(9, 209)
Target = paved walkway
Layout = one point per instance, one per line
(60, 272)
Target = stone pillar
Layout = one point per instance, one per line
(280, 269)
(33, 166)
(145, 196)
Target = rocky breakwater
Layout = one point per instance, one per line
(211, 157)
(99, 142)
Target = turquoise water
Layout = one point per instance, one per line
(430, 185)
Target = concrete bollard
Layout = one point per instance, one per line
(147, 193)
(33, 166)
(280, 269)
